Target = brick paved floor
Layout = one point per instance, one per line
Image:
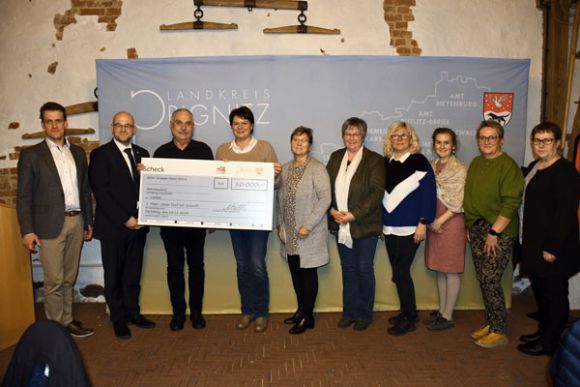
(220, 355)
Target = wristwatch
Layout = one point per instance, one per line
(422, 221)
(493, 233)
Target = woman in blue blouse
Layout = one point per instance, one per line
(408, 206)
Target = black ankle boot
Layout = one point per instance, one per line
(296, 317)
(306, 322)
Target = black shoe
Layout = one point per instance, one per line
(197, 320)
(121, 330)
(177, 322)
(534, 315)
(441, 324)
(394, 320)
(295, 318)
(432, 317)
(302, 325)
(361, 325)
(405, 326)
(345, 322)
(397, 319)
(531, 338)
(534, 349)
(142, 322)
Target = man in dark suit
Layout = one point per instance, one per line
(55, 212)
(115, 182)
(184, 242)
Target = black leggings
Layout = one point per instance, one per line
(401, 251)
(305, 283)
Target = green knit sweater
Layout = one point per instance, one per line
(493, 187)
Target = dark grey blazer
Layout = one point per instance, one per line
(40, 198)
(365, 194)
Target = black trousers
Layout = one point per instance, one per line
(551, 294)
(305, 282)
(122, 264)
(401, 251)
(181, 245)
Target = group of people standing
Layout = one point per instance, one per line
(395, 197)
(360, 196)
(404, 199)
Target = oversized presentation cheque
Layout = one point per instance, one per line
(208, 194)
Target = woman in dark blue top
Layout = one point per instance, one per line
(408, 206)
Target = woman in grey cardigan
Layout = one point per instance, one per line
(303, 199)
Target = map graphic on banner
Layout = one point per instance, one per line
(319, 92)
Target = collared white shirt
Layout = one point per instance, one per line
(122, 148)
(247, 149)
(402, 159)
(67, 172)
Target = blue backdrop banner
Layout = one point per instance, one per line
(319, 92)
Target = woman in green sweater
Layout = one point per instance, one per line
(493, 192)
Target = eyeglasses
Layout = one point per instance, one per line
(300, 141)
(123, 126)
(179, 123)
(544, 141)
(353, 134)
(399, 136)
(57, 122)
(487, 138)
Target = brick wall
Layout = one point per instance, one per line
(398, 14)
(9, 176)
(8, 182)
(107, 12)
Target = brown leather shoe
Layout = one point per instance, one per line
(361, 325)
(245, 322)
(345, 322)
(261, 324)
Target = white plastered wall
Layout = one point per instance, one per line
(478, 28)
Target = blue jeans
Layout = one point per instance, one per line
(358, 278)
(250, 249)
